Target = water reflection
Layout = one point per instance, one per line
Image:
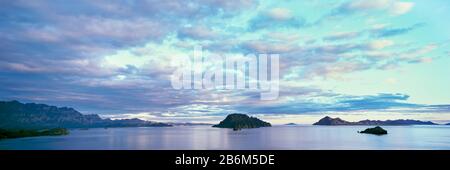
(205, 137)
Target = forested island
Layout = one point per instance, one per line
(238, 121)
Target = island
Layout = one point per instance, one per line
(332, 121)
(238, 121)
(8, 134)
(376, 131)
(290, 124)
(337, 121)
(19, 116)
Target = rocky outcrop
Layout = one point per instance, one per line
(376, 131)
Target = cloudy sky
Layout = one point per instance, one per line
(375, 59)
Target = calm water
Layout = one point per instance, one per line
(205, 137)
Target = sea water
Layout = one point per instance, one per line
(207, 138)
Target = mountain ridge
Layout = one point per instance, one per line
(338, 121)
(17, 115)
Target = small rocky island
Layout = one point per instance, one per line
(376, 131)
(399, 122)
(238, 121)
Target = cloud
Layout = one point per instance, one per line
(399, 8)
(422, 60)
(334, 70)
(123, 30)
(115, 57)
(338, 103)
(276, 18)
(267, 47)
(73, 67)
(414, 55)
(418, 55)
(196, 32)
(342, 36)
(379, 44)
(336, 48)
(394, 7)
(231, 5)
(378, 102)
(391, 81)
(280, 14)
(365, 5)
(283, 37)
(389, 32)
(423, 50)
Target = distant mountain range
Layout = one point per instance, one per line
(337, 121)
(16, 115)
(241, 121)
(188, 124)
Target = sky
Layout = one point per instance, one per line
(354, 59)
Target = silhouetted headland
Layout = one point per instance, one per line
(8, 134)
(15, 115)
